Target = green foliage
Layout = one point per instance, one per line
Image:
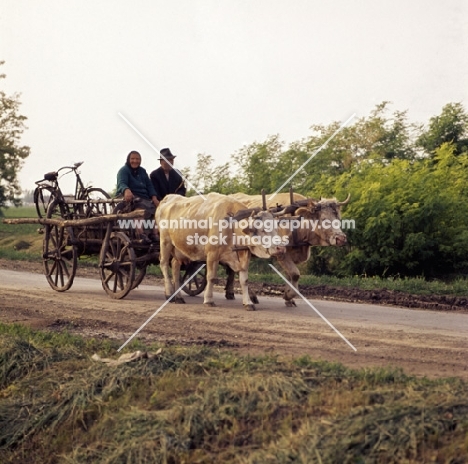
(411, 216)
(11, 152)
(407, 184)
(258, 165)
(209, 178)
(451, 126)
(379, 137)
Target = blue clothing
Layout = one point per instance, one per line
(137, 180)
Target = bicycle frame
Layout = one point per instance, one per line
(51, 184)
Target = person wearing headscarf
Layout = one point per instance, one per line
(134, 184)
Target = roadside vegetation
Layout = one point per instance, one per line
(23, 241)
(201, 404)
(407, 183)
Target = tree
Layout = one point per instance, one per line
(12, 153)
(258, 163)
(378, 138)
(451, 126)
(209, 178)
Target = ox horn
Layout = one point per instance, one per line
(264, 206)
(340, 203)
(291, 195)
(245, 213)
(280, 213)
(290, 209)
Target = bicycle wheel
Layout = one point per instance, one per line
(43, 200)
(93, 207)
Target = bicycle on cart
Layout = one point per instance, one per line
(48, 190)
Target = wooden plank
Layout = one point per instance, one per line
(139, 213)
(107, 201)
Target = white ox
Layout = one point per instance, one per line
(208, 237)
(322, 213)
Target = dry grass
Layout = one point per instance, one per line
(205, 405)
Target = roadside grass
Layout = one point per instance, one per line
(201, 404)
(261, 272)
(13, 236)
(410, 285)
(20, 242)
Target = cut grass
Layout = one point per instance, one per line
(197, 404)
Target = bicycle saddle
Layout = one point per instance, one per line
(51, 176)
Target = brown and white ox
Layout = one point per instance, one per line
(321, 212)
(205, 239)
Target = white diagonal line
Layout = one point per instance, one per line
(162, 306)
(313, 307)
(314, 153)
(157, 151)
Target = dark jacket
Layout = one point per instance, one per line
(137, 181)
(164, 187)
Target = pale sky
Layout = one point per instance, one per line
(206, 76)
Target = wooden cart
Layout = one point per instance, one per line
(74, 228)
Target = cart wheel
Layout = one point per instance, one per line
(59, 257)
(198, 283)
(140, 273)
(95, 209)
(117, 263)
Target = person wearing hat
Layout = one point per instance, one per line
(134, 184)
(166, 179)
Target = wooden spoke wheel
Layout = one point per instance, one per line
(117, 263)
(198, 283)
(140, 272)
(60, 258)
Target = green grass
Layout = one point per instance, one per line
(13, 235)
(199, 404)
(411, 285)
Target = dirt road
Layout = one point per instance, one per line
(422, 342)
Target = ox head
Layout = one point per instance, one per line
(259, 232)
(323, 223)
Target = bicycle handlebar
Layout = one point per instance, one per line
(52, 176)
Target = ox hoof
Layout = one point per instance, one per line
(175, 299)
(249, 307)
(210, 304)
(290, 303)
(254, 299)
(230, 296)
